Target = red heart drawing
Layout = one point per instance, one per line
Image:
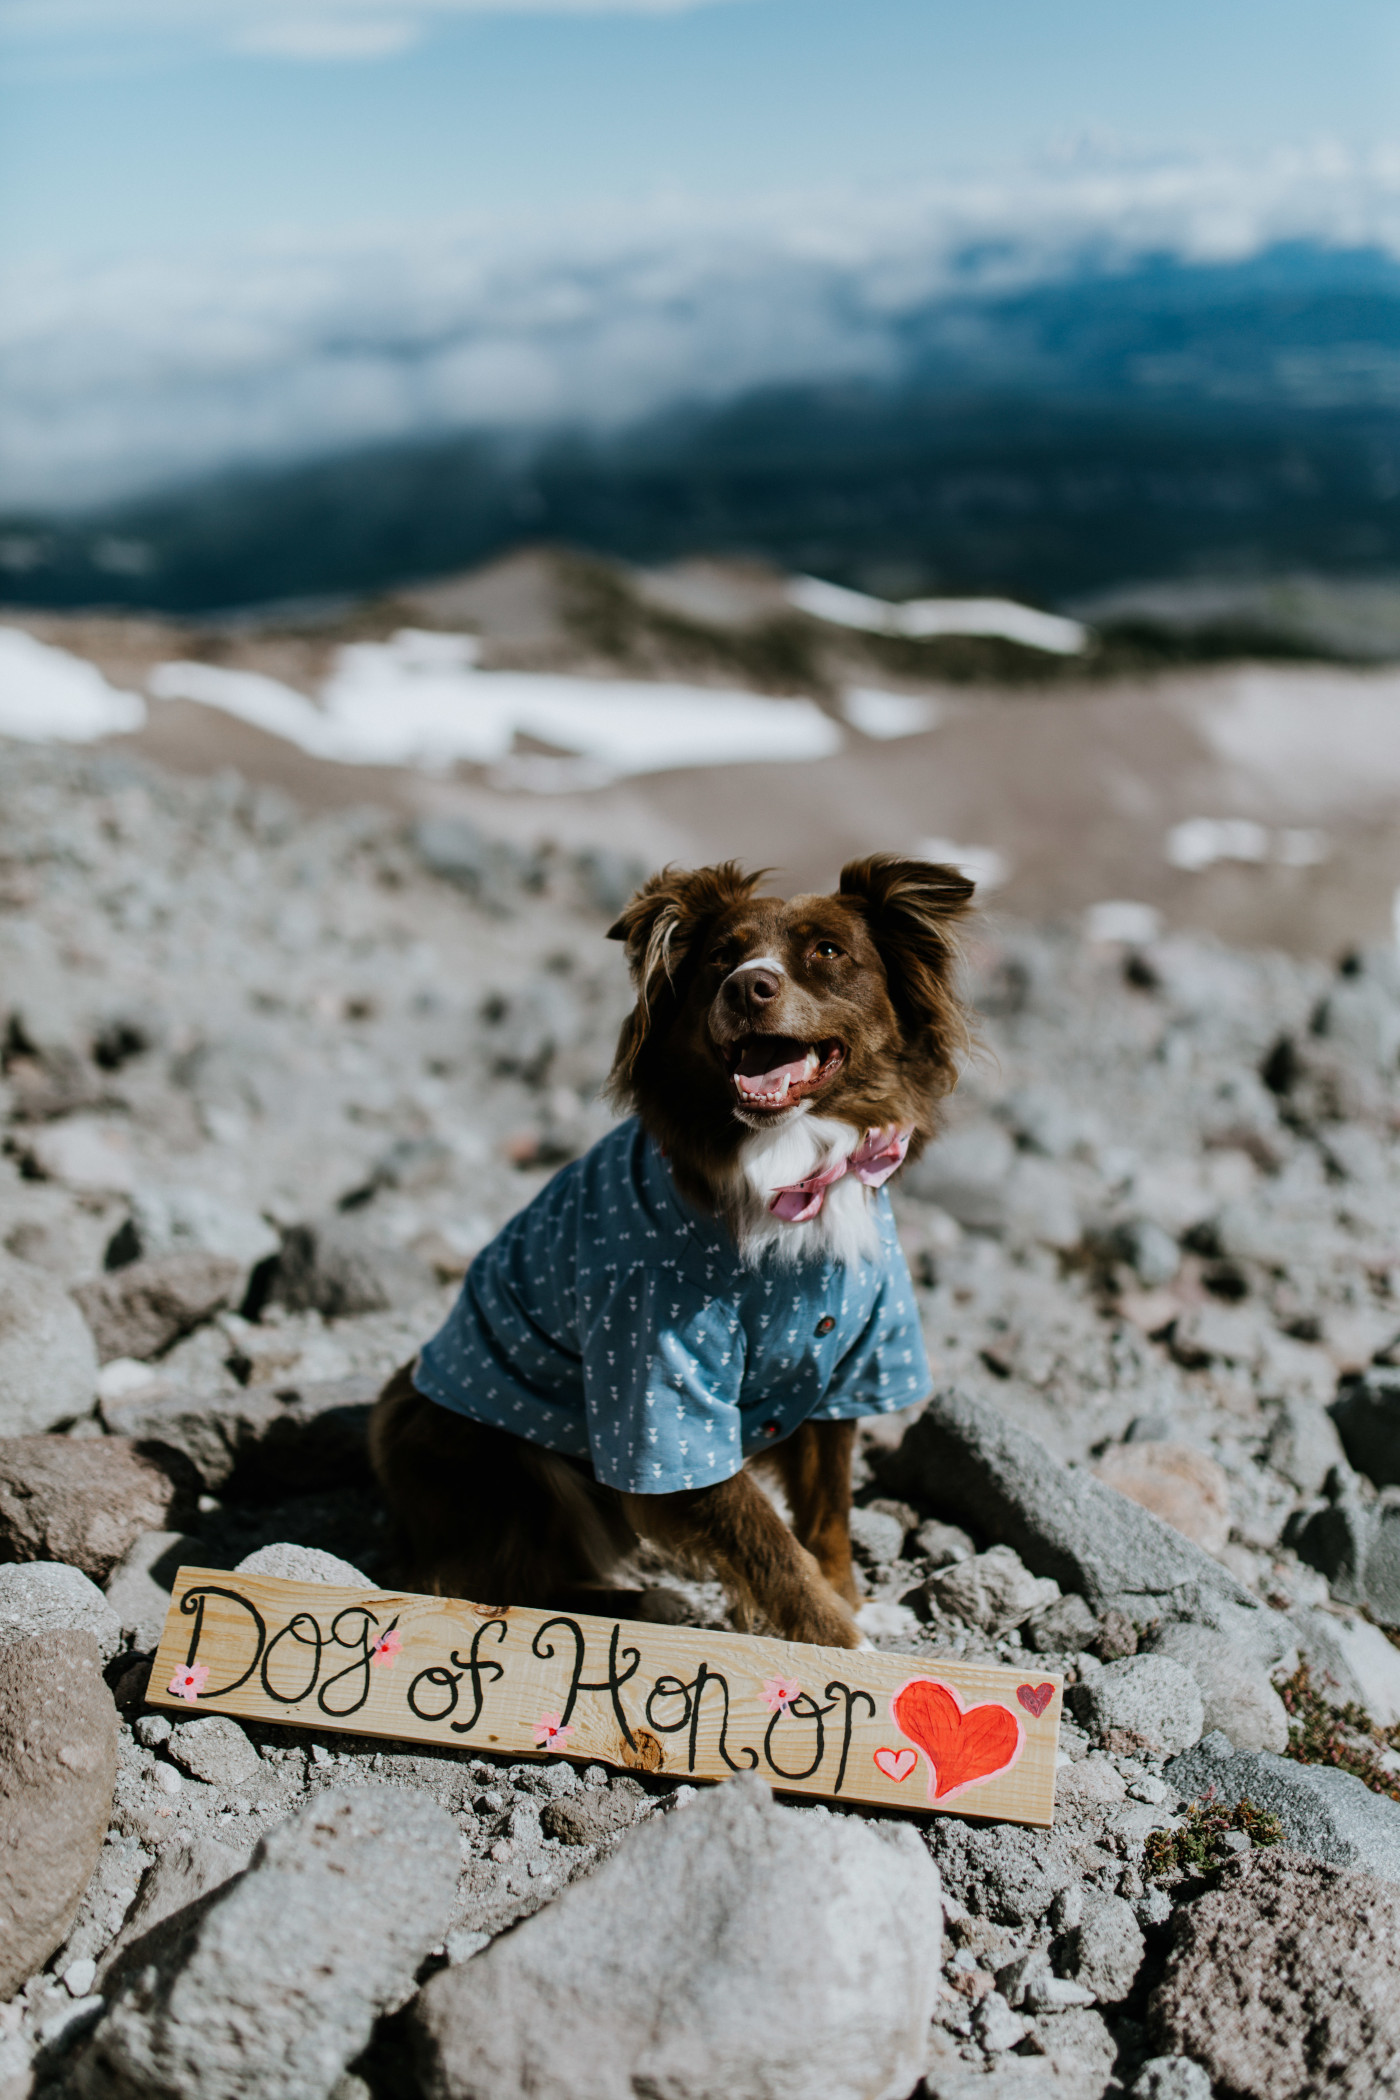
(962, 1747)
(1035, 1697)
(896, 1764)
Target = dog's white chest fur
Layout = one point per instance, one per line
(844, 1229)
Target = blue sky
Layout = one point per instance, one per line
(130, 126)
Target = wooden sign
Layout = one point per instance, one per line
(895, 1730)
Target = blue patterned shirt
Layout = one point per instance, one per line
(613, 1321)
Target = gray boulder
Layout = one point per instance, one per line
(313, 1439)
(337, 1267)
(1145, 1703)
(732, 1950)
(1104, 1951)
(184, 1874)
(1352, 1662)
(48, 1360)
(214, 1749)
(1329, 1815)
(1239, 1699)
(993, 1590)
(84, 1500)
(1303, 1444)
(278, 1983)
(1367, 1416)
(1356, 1545)
(140, 1309)
(1284, 1982)
(302, 1564)
(963, 1456)
(877, 1536)
(58, 1766)
(44, 1596)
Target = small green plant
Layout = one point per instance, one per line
(1198, 1847)
(1346, 1736)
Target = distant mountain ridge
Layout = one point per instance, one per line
(1170, 419)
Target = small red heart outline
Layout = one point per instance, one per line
(964, 1745)
(1035, 1697)
(897, 1764)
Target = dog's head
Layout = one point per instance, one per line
(751, 1009)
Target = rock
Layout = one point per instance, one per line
(58, 1766)
(993, 1590)
(1356, 1545)
(311, 1437)
(1326, 1813)
(1284, 1982)
(590, 1818)
(1144, 1703)
(877, 1537)
(1171, 2078)
(997, 2027)
(48, 1362)
(1239, 1699)
(1073, 2042)
(139, 1310)
(1116, 1637)
(1104, 1951)
(302, 1564)
(84, 1500)
(1149, 1250)
(1367, 1418)
(85, 1153)
(943, 1543)
(183, 1875)
(963, 1456)
(214, 1749)
(277, 1986)
(139, 1587)
(1065, 1627)
(1351, 1660)
(338, 1268)
(1215, 1333)
(732, 1948)
(1183, 1487)
(175, 1220)
(44, 1596)
(1303, 1444)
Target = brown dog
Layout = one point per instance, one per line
(716, 1285)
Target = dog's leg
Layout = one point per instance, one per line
(735, 1528)
(484, 1515)
(814, 1466)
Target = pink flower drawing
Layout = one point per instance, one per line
(386, 1647)
(550, 1733)
(779, 1693)
(189, 1682)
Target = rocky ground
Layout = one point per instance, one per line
(269, 1080)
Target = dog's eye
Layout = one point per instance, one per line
(827, 950)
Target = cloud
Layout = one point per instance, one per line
(119, 379)
(303, 29)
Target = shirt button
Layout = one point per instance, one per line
(825, 1325)
(770, 1429)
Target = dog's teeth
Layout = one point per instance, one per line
(812, 1066)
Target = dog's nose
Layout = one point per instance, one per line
(762, 987)
(747, 992)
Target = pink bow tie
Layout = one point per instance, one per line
(875, 1158)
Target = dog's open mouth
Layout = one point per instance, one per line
(775, 1071)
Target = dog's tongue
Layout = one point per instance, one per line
(770, 1063)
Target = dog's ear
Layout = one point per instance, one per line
(660, 927)
(912, 909)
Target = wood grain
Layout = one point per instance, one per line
(897, 1731)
